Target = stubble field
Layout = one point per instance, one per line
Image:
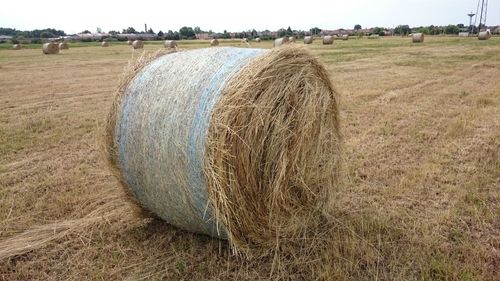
(420, 200)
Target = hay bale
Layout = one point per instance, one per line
(50, 48)
(239, 144)
(257, 40)
(345, 37)
(327, 40)
(374, 36)
(484, 35)
(214, 42)
(138, 44)
(170, 44)
(463, 34)
(129, 42)
(418, 38)
(17, 47)
(63, 46)
(105, 44)
(244, 40)
(280, 42)
(308, 40)
(291, 39)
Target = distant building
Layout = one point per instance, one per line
(204, 36)
(5, 38)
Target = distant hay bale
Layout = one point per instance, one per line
(17, 47)
(50, 48)
(239, 144)
(308, 40)
(170, 44)
(291, 39)
(484, 35)
(417, 37)
(244, 40)
(105, 44)
(129, 42)
(327, 40)
(280, 42)
(374, 36)
(257, 40)
(214, 42)
(138, 44)
(463, 34)
(63, 46)
(345, 37)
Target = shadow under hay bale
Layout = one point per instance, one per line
(418, 38)
(280, 42)
(247, 151)
(137, 44)
(327, 40)
(50, 48)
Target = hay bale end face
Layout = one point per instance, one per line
(251, 156)
(17, 47)
(345, 37)
(214, 42)
(280, 42)
(484, 35)
(50, 48)
(170, 44)
(327, 40)
(418, 38)
(63, 46)
(138, 44)
(105, 44)
(129, 42)
(308, 40)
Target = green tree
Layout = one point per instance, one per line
(289, 31)
(424, 30)
(150, 30)
(451, 29)
(357, 27)
(160, 34)
(86, 31)
(315, 30)
(187, 33)
(197, 30)
(46, 34)
(129, 30)
(402, 30)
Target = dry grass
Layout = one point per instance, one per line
(421, 125)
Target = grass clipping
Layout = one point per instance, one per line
(272, 150)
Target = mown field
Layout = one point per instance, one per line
(420, 201)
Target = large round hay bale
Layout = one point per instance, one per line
(214, 42)
(50, 48)
(170, 44)
(240, 144)
(129, 42)
(138, 44)
(17, 47)
(291, 39)
(105, 44)
(418, 38)
(484, 35)
(327, 40)
(280, 41)
(63, 46)
(308, 40)
(257, 40)
(374, 36)
(345, 37)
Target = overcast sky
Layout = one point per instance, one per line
(232, 15)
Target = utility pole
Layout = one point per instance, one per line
(482, 16)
